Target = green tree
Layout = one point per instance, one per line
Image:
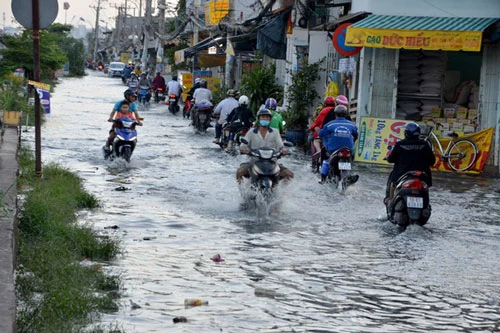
(19, 53)
(259, 83)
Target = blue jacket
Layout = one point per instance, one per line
(338, 133)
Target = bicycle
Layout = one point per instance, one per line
(460, 154)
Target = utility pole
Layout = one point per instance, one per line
(96, 39)
(159, 58)
(146, 28)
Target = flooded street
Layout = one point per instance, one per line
(318, 262)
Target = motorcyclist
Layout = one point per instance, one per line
(409, 154)
(202, 96)
(130, 97)
(336, 134)
(222, 110)
(240, 117)
(158, 82)
(133, 82)
(330, 104)
(277, 119)
(145, 84)
(127, 71)
(189, 98)
(174, 88)
(262, 136)
(340, 100)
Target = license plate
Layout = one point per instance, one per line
(172, 100)
(160, 94)
(344, 166)
(415, 202)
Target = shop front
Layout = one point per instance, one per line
(442, 71)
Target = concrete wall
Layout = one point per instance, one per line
(446, 8)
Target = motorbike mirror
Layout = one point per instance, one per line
(288, 143)
(243, 140)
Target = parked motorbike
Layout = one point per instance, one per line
(159, 95)
(173, 106)
(341, 161)
(201, 116)
(410, 204)
(125, 139)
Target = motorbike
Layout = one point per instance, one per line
(159, 95)
(226, 131)
(201, 116)
(173, 106)
(187, 108)
(125, 139)
(341, 160)
(142, 98)
(410, 204)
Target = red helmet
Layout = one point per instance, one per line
(329, 101)
(342, 100)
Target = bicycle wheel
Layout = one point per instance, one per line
(462, 155)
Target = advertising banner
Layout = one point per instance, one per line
(215, 11)
(414, 39)
(377, 137)
(43, 91)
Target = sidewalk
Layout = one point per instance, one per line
(8, 194)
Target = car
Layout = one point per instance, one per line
(116, 69)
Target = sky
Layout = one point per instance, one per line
(82, 8)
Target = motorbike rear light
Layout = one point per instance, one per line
(344, 154)
(160, 89)
(173, 96)
(414, 184)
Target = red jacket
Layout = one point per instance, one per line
(318, 122)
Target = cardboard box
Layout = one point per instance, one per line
(449, 112)
(469, 129)
(460, 133)
(436, 113)
(458, 126)
(472, 113)
(444, 127)
(462, 113)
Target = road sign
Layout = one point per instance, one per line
(22, 10)
(338, 40)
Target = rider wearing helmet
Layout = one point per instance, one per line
(130, 97)
(277, 119)
(409, 154)
(336, 134)
(262, 135)
(240, 117)
(174, 88)
(330, 104)
(222, 110)
(340, 100)
(133, 82)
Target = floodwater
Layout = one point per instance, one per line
(318, 261)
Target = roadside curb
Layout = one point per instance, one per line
(8, 229)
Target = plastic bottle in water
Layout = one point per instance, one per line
(194, 302)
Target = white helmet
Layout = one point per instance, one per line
(243, 100)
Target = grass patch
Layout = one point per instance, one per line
(55, 293)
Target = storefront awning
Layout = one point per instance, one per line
(419, 32)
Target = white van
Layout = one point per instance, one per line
(116, 69)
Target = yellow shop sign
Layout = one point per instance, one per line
(414, 39)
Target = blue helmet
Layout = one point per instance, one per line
(412, 131)
(271, 104)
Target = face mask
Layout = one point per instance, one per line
(264, 123)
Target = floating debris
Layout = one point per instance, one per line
(217, 258)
